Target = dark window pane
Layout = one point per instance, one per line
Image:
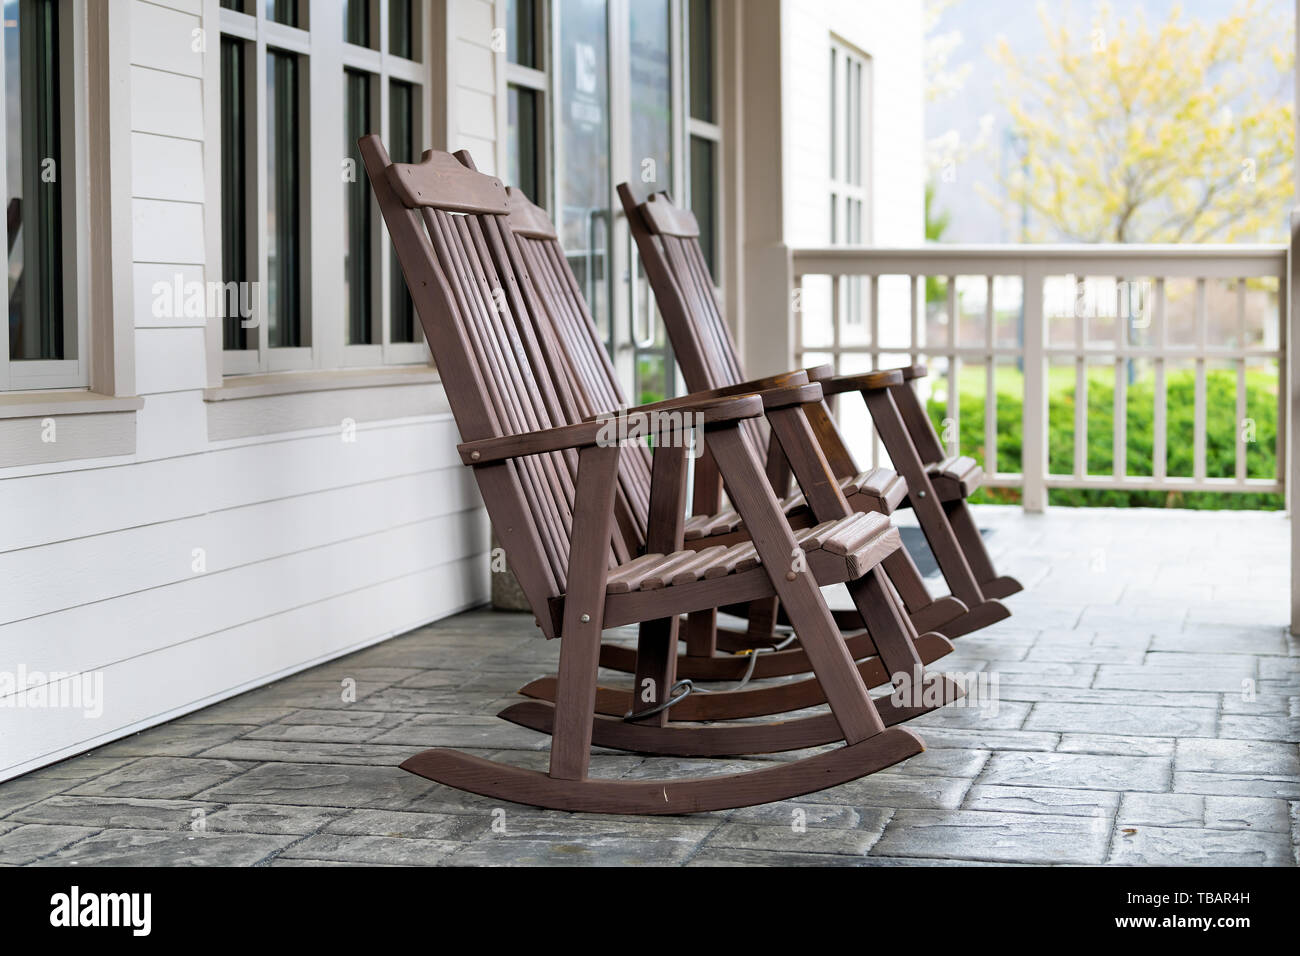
(701, 35)
(235, 196)
(522, 33)
(402, 28)
(356, 21)
(703, 201)
(284, 174)
(523, 142)
(650, 95)
(401, 149)
(283, 11)
(357, 300)
(582, 184)
(239, 6)
(34, 215)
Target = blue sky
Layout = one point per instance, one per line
(980, 23)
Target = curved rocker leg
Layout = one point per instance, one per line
(724, 740)
(1001, 587)
(689, 795)
(979, 616)
(755, 702)
(940, 614)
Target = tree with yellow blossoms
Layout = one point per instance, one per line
(1134, 133)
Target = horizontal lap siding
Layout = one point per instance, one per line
(313, 545)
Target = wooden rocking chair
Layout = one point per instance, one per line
(461, 264)
(667, 238)
(577, 358)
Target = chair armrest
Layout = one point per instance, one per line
(607, 430)
(911, 372)
(865, 382)
(784, 380)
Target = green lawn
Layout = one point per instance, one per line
(1221, 385)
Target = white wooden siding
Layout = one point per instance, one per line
(313, 546)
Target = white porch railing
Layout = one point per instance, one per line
(1053, 313)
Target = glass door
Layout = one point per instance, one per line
(619, 81)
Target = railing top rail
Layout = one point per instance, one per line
(1205, 261)
(1100, 250)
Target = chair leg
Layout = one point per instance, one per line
(972, 545)
(929, 512)
(656, 666)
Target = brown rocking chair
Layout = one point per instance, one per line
(667, 238)
(589, 388)
(461, 265)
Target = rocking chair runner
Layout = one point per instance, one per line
(577, 357)
(667, 238)
(571, 564)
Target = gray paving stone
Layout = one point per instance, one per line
(270, 819)
(1009, 715)
(1078, 771)
(1237, 785)
(357, 848)
(450, 827)
(1216, 638)
(504, 851)
(162, 777)
(323, 785)
(175, 740)
(258, 751)
(1116, 744)
(118, 812)
(789, 839)
(998, 836)
(883, 790)
(1237, 756)
(733, 856)
(1161, 810)
(161, 848)
(1264, 727)
(788, 812)
(1172, 678)
(28, 843)
(1132, 720)
(962, 739)
(1251, 813)
(1075, 803)
(1186, 846)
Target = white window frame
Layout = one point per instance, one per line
(71, 170)
(324, 58)
(538, 80)
(704, 130)
(850, 165)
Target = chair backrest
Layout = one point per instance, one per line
(575, 352)
(668, 240)
(478, 312)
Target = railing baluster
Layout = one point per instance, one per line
(1033, 448)
(1119, 413)
(1080, 386)
(873, 298)
(1160, 433)
(918, 304)
(990, 391)
(1198, 443)
(1240, 426)
(954, 409)
(796, 296)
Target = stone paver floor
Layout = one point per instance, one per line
(1147, 712)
